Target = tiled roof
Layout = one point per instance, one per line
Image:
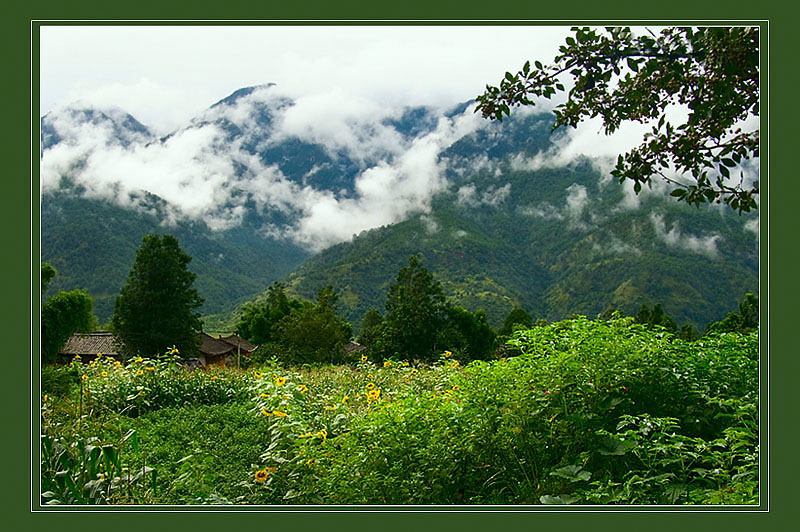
(236, 340)
(90, 344)
(215, 347)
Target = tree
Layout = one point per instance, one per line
(516, 319)
(257, 321)
(655, 317)
(314, 333)
(62, 315)
(48, 272)
(416, 312)
(712, 72)
(745, 321)
(156, 307)
(468, 333)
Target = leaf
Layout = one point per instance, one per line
(633, 64)
(573, 473)
(557, 499)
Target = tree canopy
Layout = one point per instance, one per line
(156, 307)
(712, 72)
(62, 315)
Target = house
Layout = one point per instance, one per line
(88, 346)
(223, 350)
(354, 347)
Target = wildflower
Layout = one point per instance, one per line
(91, 363)
(406, 364)
(373, 395)
(387, 364)
(414, 371)
(138, 359)
(363, 358)
(455, 364)
(104, 374)
(258, 374)
(370, 376)
(306, 435)
(278, 413)
(324, 434)
(280, 381)
(99, 355)
(84, 378)
(302, 388)
(456, 387)
(44, 398)
(117, 364)
(264, 395)
(546, 392)
(140, 394)
(447, 354)
(215, 377)
(265, 413)
(149, 368)
(140, 372)
(370, 386)
(345, 398)
(261, 475)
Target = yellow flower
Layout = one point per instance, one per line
(370, 376)
(455, 364)
(373, 395)
(258, 374)
(140, 372)
(345, 398)
(104, 374)
(149, 368)
(456, 388)
(84, 378)
(370, 386)
(140, 394)
(280, 381)
(279, 413)
(215, 377)
(387, 364)
(363, 358)
(406, 364)
(264, 395)
(91, 363)
(302, 388)
(323, 433)
(138, 359)
(99, 355)
(447, 354)
(264, 412)
(414, 371)
(261, 475)
(44, 398)
(117, 364)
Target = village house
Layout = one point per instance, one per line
(223, 350)
(88, 346)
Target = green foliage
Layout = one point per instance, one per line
(157, 306)
(467, 333)
(591, 412)
(745, 321)
(415, 313)
(314, 333)
(655, 317)
(620, 77)
(258, 320)
(63, 314)
(48, 272)
(517, 319)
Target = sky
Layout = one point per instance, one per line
(344, 81)
(164, 75)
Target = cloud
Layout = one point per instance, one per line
(675, 238)
(202, 173)
(468, 196)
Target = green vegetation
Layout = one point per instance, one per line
(62, 315)
(590, 412)
(157, 306)
(714, 72)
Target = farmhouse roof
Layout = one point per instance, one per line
(90, 344)
(214, 346)
(237, 341)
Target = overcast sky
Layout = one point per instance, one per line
(164, 75)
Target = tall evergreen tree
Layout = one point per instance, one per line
(416, 311)
(157, 306)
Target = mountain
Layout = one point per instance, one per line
(260, 187)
